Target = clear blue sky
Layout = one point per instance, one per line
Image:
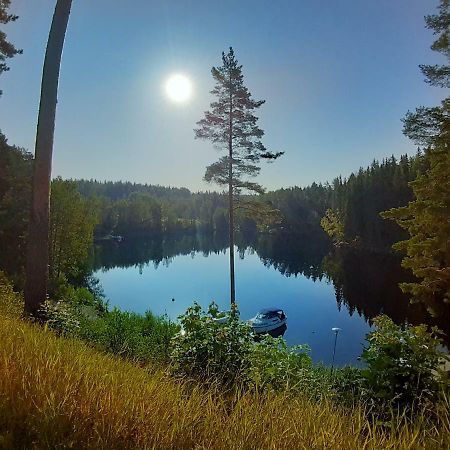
(337, 77)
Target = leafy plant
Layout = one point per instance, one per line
(403, 364)
(143, 338)
(274, 365)
(208, 349)
(61, 317)
(11, 303)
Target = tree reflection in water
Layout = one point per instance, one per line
(364, 282)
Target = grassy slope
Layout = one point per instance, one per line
(59, 393)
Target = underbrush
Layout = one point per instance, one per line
(80, 313)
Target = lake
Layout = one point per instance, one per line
(318, 290)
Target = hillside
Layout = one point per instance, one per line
(58, 392)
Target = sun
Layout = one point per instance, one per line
(178, 88)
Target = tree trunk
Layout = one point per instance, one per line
(230, 201)
(38, 232)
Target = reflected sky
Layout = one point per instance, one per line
(310, 306)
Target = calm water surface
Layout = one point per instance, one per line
(142, 275)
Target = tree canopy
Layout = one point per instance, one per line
(7, 50)
(427, 218)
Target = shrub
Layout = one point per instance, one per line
(402, 364)
(143, 338)
(89, 300)
(11, 303)
(347, 385)
(207, 349)
(61, 317)
(273, 365)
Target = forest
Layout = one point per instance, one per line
(85, 210)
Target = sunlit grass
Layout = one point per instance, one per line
(58, 392)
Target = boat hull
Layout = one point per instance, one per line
(268, 326)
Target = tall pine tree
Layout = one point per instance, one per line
(232, 127)
(427, 218)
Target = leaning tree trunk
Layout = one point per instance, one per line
(38, 232)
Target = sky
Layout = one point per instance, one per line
(337, 77)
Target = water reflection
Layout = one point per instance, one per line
(369, 284)
(363, 283)
(278, 331)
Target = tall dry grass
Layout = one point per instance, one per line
(59, 393)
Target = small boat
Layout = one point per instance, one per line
(267, 320)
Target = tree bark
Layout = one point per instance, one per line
(230, 201)
(37, 262)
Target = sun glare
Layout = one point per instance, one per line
(178, 88)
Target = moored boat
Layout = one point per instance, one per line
(268, 319)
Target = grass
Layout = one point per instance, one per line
(59, 393)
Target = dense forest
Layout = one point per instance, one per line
(86, 209)
(137, 209)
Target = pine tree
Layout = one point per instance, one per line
(427, 218)
(7, 50)
(232, 127)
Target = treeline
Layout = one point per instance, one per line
(348, 209)
(358, 201)
(142, 210)
(351, 205)
(16, 166)
(72, 219)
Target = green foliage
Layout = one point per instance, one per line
(72, 222)
(89, 301)
(71, 306)
(143, 338)
(333, 224)
(15, 194)
(11, 303)
(7, 50)
(207, 349)
(402, 364)
(274, 365)
(232, 127)
(138, 215)
(61, 317)
(346, 385)
(427, 218)
(355, 202)
(210, 350)
(82, 313)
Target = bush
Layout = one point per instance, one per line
(61, 317)
(70, 306)
(206, 349)
(11, 303)
(143, 338)
(209, 350)
(347, 385)
(275, 366)
(403, 364)
(88, 300)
